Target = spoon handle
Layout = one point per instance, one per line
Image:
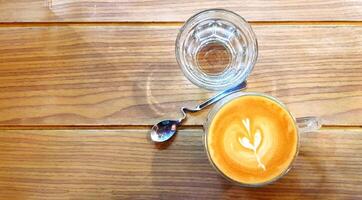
(220, 96)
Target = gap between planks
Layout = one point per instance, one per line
(140, 127)
(254, 23)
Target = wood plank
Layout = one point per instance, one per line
(116, 75)
(163, 10)
(120, 164)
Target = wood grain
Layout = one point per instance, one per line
(116, 75)
(163, 10)
(121, 164)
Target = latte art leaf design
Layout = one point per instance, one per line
(257, 138)
(245, 141)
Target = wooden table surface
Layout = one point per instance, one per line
(81, 83)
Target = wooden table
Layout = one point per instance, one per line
(81, 83)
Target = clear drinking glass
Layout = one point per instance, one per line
(216, 49)
(303, 124)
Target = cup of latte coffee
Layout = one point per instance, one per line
(252, 139)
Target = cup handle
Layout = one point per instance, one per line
(308, 124)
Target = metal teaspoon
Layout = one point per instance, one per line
(164, 130)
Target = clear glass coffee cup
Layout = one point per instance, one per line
(304, 124)
(216, 49)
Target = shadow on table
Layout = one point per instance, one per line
(163, 94)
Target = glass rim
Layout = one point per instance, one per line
(236, 79)
(215, 110)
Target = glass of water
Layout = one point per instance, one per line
(216, 49)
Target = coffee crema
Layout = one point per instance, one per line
(252, 139)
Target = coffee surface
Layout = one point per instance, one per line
(252, 139)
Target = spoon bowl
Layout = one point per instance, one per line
(164, 130)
